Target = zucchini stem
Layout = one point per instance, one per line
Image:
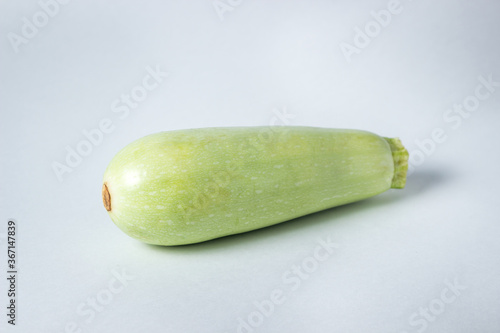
(400, 156)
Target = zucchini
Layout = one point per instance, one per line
(189, 186)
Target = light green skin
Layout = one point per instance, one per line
(189, 186)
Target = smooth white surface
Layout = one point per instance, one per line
(395, 253)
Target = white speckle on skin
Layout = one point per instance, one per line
(258, 191)
(146, 206)
(211, 215)
(278, 166)
(254, 178)
(229, 215)
(160, 207)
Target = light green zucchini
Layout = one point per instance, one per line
(189, 186)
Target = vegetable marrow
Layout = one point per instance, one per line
(189, 186)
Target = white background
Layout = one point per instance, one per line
(397, 254)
